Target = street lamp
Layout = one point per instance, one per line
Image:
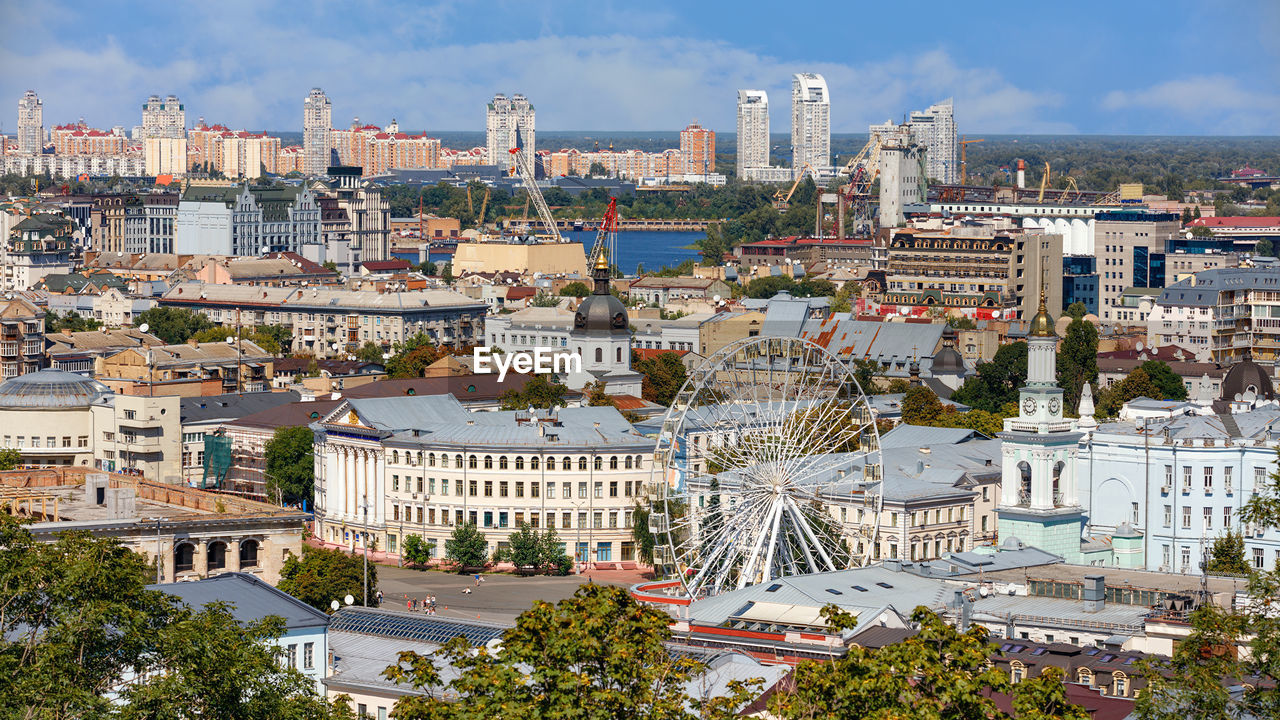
(364, 505)
(577, 546)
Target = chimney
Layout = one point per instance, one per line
(1094, 593)
(95, 489)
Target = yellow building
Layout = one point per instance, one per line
(545, 258)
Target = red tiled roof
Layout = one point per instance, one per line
(650, 353)
(385, 265)
(629, 402)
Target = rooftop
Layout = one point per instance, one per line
(50, 389)
(251, 599)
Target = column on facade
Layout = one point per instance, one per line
(200, 559)
(1011, 479)
(1041, 479)
(348, 482)
(233, 556)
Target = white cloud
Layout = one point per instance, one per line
(1216, 104)
(247, 69)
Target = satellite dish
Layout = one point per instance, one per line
(231, 340)
(334, 605)
(144, 327)
(715, 298)
(1138, 347)
(349, 600)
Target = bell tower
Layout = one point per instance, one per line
(1039, 503)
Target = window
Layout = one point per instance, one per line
(1168, 475)
(1186, 518)
(471, 461)
(599, 489)
(1208, 518)
(582, 463)
(599, 463)
(534, 488)
(613, 487)
(520, 463)
(534, 463)
(582, 490)
(502, 462)
(1208, 479)
(1186, 477)
(566, 464)
(1017, 672)
(1121, 682)
(308, 656)
(395, 483)
(472, 486)
(1168, 515)
(291, 655)
(1259, 478)
(1226, 478)
(488, 462)
(1186, 556)
(519, 489)
(1259, 559)
(1135, 513)
(1226, 518)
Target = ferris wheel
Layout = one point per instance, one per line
(770, 462)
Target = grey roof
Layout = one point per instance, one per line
(905, 435)
(1202, 289)
(232, 406)
(1059, 612)
(786, 316)
(253, 599)
(1259, 424)
(442, 420)
(974, 563)
(900, 592)
(50, 389)
(884, 342)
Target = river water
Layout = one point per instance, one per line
(652, 249)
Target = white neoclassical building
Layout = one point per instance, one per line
(421, 465)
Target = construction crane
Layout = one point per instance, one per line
(1066, 192)
(484, 205)
(1044, 183)
(606, 238)
(525, 168)
(862, 170)
(964, 169)
(782, 201)
(470, 208)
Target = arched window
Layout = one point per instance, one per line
(471, 461)
(395, 457)
(1057, 489)
(431, 459)
(1024, 489)
(419, 457)
(639, 458)
(534, 462)
(217, 552)
(582, 463)
(184, 557)
(1120, 683)
(1017, 671)
(613, 463)
(628, 462)
(488, 462)
(248, 553)
(599, 355)
(619, 354)
(457, 461)
(502, 462)
(599, 463)
(566, 464)
(1084, 676)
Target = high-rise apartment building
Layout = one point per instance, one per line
(698, 149)
(317, 123)
(935, 129)
(1130, 247)
(30, 123)
(810, 123)
(163, 118)
(753, 131)
(503, 118)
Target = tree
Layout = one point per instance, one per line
(279, 334)
(577, 289)
(552, 557)
(714, 246)
(211, 666)
(467, 547)
(961, 322)
(1226, 557)
(598, 170)
(331, 266)
(525, 547)
(1044, 697)
(1264, 248)
(996, 383)
(598, 655)
(411, 358)
(544, 299)
(538, 392)
(69, 322)
(415, 550)
(843, 301)
(865, 372)
(323, 575)
(446, 274)
(369, 353)
(1170, 383)
(920, 406)
(172, 325)
(1077, 360)
(1137, 384)
(663, 376)
(898, 386)
(10, 459)
(290, 460)
(1077, 310)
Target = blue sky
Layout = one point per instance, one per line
(1123, 67)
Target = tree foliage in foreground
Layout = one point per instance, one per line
(597, 655)
(77, 623)
(324, 575)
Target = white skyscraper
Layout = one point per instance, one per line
(503, 117)
(935, 129)
(30, 124)
(317, 123)
(753, 131)
(810, 123)
(163, 118)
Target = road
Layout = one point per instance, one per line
(500, 598)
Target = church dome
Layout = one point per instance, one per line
(1246, 377)
(948, 360)
(50, 389)
(602, 314)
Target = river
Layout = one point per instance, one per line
(652, 249)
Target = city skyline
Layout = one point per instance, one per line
(1037, 71)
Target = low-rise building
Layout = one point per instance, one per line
(1228, 313)
(659, 291)
(22, 338)
(77, 351)
(422, 465)
(237, 366)
(40, 245)
(246, 220)
(192, 533)
(206, 415)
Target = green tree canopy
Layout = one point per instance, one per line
(1077, 360)
(467, 548)
(69, 321)
(539, 393)
(415, 550)
(1137, 384)
(663, 376)
(172, 325)
(1226, 556)
(996, 383)
(1165, 379)
(411, 358)
(370, 353)
(577, 289)
(920, 406)
(10, 459)
(290, 461)
(323, 575)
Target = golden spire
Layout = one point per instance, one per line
(602, 261)
(1042, 324)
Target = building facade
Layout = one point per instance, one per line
(934, 129)
(246, 220)
(21, 338)
(810, 123)
(508, 122)
(753, 131)
(1130, 247)
(149, 223)
(30, 124)
(698, 149)
(317, 125)
(1225, 313)
(386, 469)
(163, 118)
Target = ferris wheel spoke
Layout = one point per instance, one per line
(803, 522)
